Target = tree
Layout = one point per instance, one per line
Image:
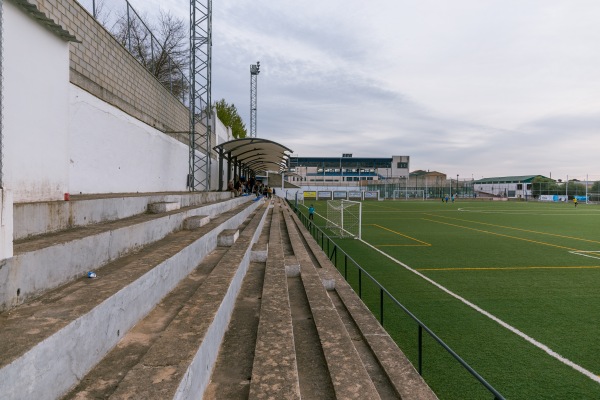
(228, 114)
(165, 55)
(595, 191)
(541, 185)
(574, 188)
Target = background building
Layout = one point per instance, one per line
(347, 170)
(506, 186)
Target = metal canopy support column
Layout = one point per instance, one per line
(235, 169)
(254, 71)
(220, 169)
(229, 166)
(200, 94)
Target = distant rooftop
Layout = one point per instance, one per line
(510, 179)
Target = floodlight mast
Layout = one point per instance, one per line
(254, 71)
(200, 108)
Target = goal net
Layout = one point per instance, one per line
(402, 194)
(344, 218)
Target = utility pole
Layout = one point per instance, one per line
(254, 71)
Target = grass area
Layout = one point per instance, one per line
(533, 266)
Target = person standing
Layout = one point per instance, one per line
(311, 212)
(575, 201)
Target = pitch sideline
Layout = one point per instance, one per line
(511, 328)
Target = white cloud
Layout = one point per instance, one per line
(489, 88)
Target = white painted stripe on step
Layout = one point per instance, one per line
(511, 328)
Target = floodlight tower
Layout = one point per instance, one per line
(200, 108)
(254, 71)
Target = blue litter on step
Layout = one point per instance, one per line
(91, 274)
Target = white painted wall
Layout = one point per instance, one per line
(6, 224)
(112, 152)
(61, 139)
(36, 99)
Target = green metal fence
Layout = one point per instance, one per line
(366, 285)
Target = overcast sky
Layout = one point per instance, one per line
(471, 87)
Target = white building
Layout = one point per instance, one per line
(346, 170)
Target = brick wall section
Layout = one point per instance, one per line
(101, 66)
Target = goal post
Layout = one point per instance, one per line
(344, 218)
(410, 194)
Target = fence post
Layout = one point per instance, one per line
(170, 76)
(381, 306)
(182, 90)
(360, 283)
(345, 266)
(420, 350)
(128, 27)
(335, 256)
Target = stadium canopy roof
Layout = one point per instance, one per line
(258, 155)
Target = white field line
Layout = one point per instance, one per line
(582, 253)
(514, 330)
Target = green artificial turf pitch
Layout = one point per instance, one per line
(533, 266)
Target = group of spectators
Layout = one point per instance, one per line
(251, 186)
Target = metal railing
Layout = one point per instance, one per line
(332, 249)
(170, 75)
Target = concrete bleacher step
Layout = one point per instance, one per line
(196, 222)
(302, 348)
(178, 363)
(275, 371)
(105, 377)
(44, 262)
(391, 371)
(48, 344)
(31, 219)
(163, 207)
(348, 374)
(232, 373)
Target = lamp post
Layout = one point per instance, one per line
(254, 71)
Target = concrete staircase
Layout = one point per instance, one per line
(194, 298)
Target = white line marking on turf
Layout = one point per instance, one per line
(581, 253)
(514, 330)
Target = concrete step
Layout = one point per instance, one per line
(44, 262)
(275, 371)
(348, 374)
(47, 345)
(391, 371)
(232, 373)
(102, 381)
(178, 363)
(31, 219)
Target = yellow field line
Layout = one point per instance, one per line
(398, 233)
(502, 235)
(402, 245)
(507, 268)
(516, 229)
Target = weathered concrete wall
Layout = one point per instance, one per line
(86, 117)
(36, 102)
(114, 152)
